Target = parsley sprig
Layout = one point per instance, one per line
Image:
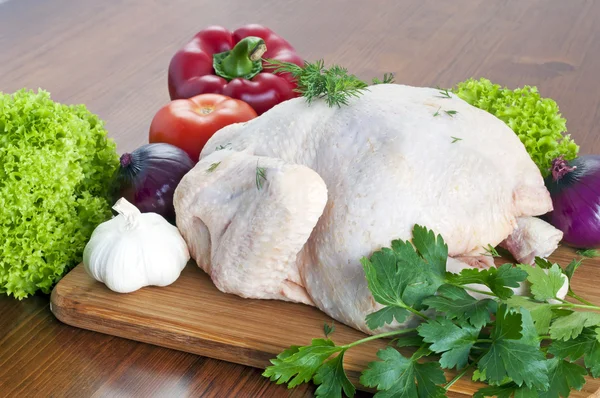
(499, 337)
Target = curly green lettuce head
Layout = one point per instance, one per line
(56, 164)
(536, 121)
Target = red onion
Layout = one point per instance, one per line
(148, 176)
(575, 190)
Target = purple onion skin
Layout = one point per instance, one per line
(148, 176)
(575, 192)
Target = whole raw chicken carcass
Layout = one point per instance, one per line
(285, 206)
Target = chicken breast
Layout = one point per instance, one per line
(303, 192)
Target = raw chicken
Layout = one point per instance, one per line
(298, 195)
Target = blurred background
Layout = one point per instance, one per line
(113, 55)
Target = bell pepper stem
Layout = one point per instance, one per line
(243, 60)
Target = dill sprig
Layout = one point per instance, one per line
(388, 78)
(213, 167)
(490, 251)
(444, 92)
(221, 147)
(334, 85)
(261, 176)
(314, 81)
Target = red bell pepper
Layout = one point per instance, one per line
(231, 63)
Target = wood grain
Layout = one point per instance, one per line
(46, 358)
(191, 315)
(112, 56)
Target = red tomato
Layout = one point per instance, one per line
(189, 123)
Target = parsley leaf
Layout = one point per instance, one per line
(574, 348)
(498, 280)
(571, 268)
(586, 345)
(479, 375)
(514, 351)
(563, 376)
(521, 362)
(543, 263)
(544, 286)
(453, 341)
(397, 376)
(404, 275)
(571, 326)
(541, 313)
(386, 282)
(508, 324)
(457, 304)
(297, 365)
(592, 358)
(386, 315)
(332, 379)
(408, 341)
(428, 376)
(432, 248)
(506, 391)
(529, 334)
(327, 330)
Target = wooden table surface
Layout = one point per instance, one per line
(113, 56)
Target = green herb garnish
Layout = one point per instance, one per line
(437, 113)
(213, 167)
(221, 147)
(261, 176)
(388, 78)
(334, 85)
(451, 113)
(491, 251)
(327, 329)
(444, 93)
(455, 139)
(590, 253)
(499, 337)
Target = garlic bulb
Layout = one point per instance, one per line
(135, 249)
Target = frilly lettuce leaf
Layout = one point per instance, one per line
(536, 121)
(56, 164)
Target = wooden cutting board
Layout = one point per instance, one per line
(192, 315)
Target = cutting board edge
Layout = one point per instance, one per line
(71, 312)
(65, 310)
